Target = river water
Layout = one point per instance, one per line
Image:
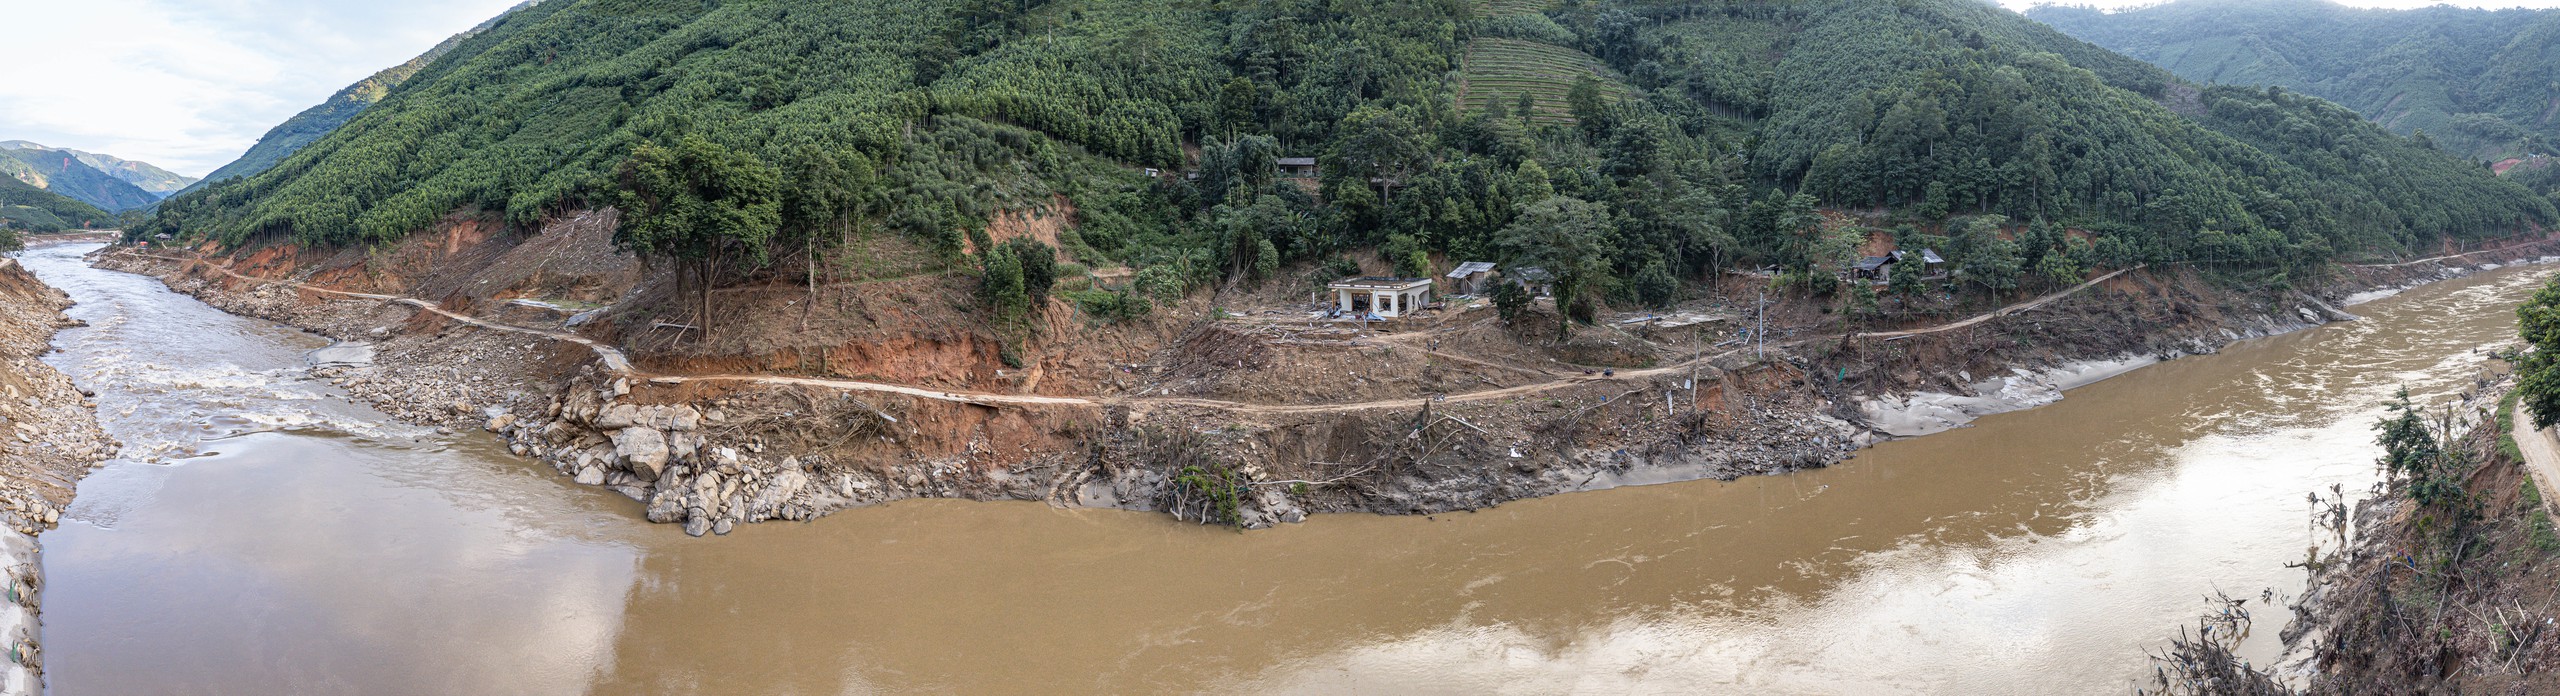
(265, 536)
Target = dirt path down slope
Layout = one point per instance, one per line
(2004, 311)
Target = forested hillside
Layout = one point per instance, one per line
(63, 172)
(25, 207)
(142, 175)
(2542, 174)
(2480, 83)
(317, 121)
(1685, 137)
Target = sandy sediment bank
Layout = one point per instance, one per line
(49, 438)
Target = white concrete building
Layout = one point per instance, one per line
(1386, 297)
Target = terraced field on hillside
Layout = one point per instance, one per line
(1503, 68)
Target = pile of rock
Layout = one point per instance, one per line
(667, 456)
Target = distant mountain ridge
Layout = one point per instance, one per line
(2484, 84)
(25, 207)
(313, 123)
(142, 175)
(70, 174)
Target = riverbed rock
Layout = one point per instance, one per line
(618, 416)
(666, 505)
(643, 450)
(590, 476)
(682, 418)
(683, 445)
(501, 423)
(769, 502)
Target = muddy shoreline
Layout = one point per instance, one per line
(49, 439)
(711, 457)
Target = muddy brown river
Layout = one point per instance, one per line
(266, 536)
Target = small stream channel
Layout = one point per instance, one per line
(267, 536)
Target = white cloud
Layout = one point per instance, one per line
(190, 84)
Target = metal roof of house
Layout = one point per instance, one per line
(1874, 262)
(1926, 256)
(1297, 161)
(1532, 274)
(1378, 283)
(1471, 268)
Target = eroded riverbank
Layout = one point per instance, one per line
(2040, 551)
(49, 437)
(712, 451)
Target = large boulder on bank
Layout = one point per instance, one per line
(618, 416)
(643, 450)
(776, 493)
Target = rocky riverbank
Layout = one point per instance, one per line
(713, 454)
(49, 438)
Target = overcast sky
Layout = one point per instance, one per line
(190, 84)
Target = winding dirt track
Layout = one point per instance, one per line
(2004, 311)
(620, 364)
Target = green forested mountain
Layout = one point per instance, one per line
(317, 121)
(142, 175)
(2484, 84)
(1623, 144)
(25, 207)
(64, 172)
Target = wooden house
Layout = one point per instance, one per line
(1471, 278)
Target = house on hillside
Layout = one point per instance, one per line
(1385, 298)
(1471, 278)
(1872, 268)
(1298, 168)
(1880, 268)
(1534, 279)
(1930, 263)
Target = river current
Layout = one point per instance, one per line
(264, 535)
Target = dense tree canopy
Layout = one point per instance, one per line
(25, 207)
(2477, 81)
(1687, 137)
